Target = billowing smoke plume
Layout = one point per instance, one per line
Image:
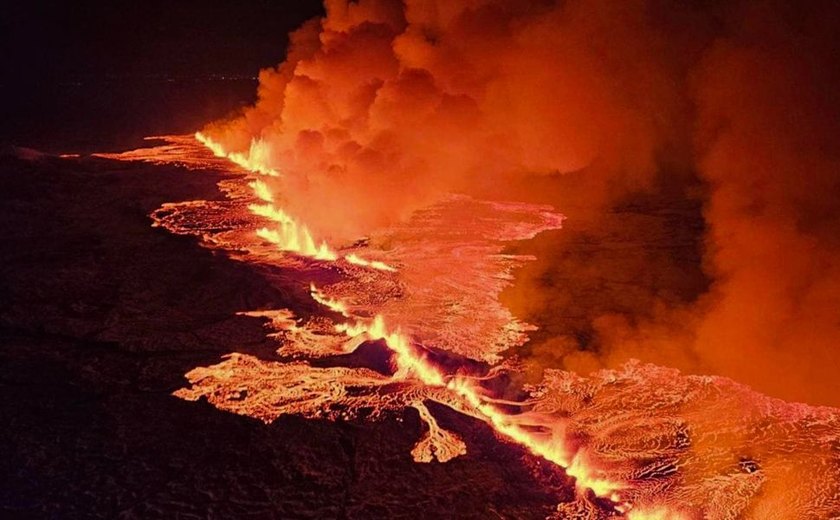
(769, 147)
(766, 145)
(380, 106)
(383, 106)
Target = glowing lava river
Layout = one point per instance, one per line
(409, 318)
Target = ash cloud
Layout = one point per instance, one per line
(382, 106)
(768, 146)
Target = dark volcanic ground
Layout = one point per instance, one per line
(101, 316)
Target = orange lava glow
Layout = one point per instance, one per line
(290, 235)
(376, 264)
(261, 190)
(411, 363)
(658, 513)
(642, 442)
(254, 160)
(330, 303)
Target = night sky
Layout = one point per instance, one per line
(77, 73)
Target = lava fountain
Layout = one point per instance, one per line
(344, 187)
(641, 442)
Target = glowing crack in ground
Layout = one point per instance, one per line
(650, 442)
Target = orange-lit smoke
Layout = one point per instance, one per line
(766, 144)
(382, 106)
(769, 148)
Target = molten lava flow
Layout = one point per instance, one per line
(437, 443)
(376, 264)
(261, 190)
(460, 393)
(330, 303)
(411, 363)
(291, 235)
(255, 160)
(650, 442)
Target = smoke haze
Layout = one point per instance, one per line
(727, 108)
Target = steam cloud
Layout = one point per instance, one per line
(383, 106)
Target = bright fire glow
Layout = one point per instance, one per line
(261, 190)
(376, 264)
(291, 235)
(411, 362)
(295, 237)
(255, 160)
(332, 304)
(657, 513)
(655, 443)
